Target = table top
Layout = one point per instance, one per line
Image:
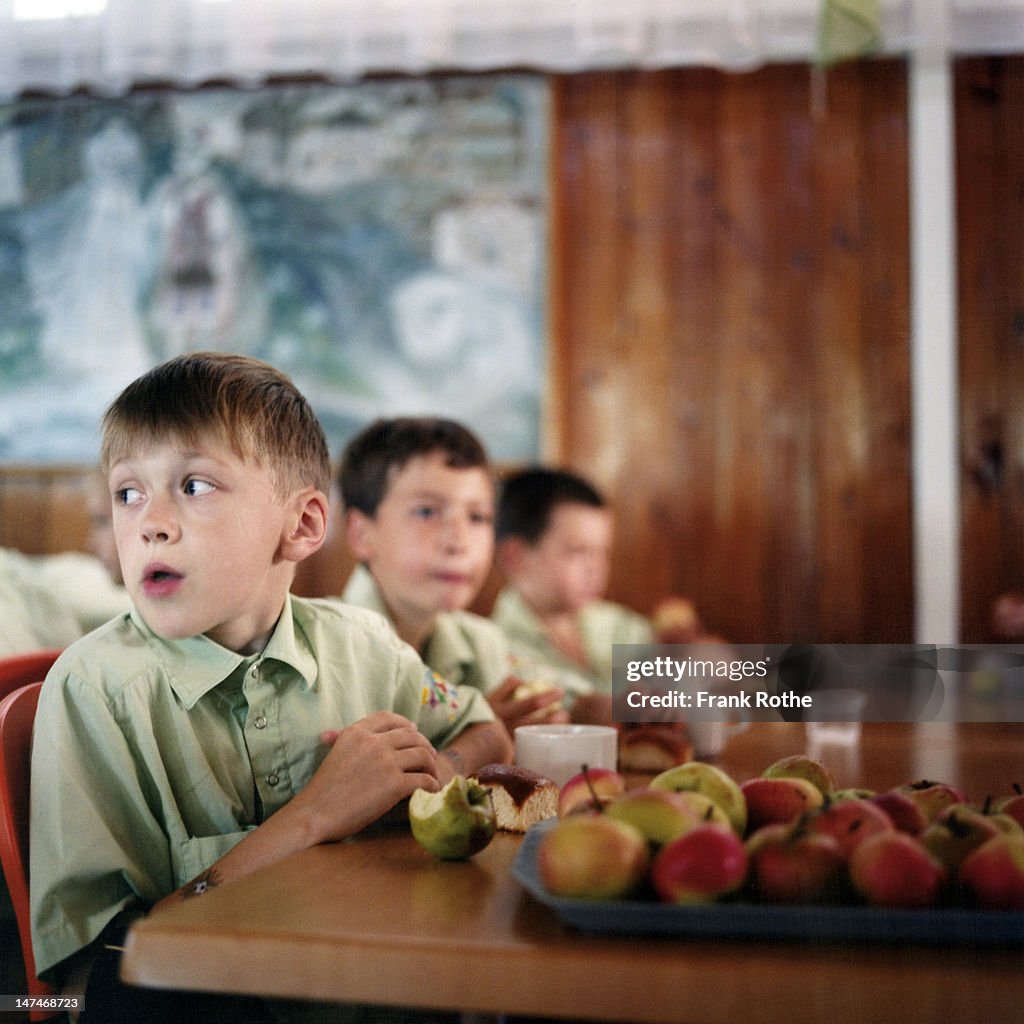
(378, 920)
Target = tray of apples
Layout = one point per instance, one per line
(786, 855)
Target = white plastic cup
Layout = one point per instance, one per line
(837, 717)
(559, 752)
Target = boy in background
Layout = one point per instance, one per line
(554, 539)
(222, 723)
(419, 516)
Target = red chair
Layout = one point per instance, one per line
(17, 713)
(18, 669)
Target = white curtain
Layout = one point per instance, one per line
(118, 43)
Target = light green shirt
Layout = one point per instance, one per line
(464, 648)
(468, 649)
(153, 758)
(601, 623)
(52, 600)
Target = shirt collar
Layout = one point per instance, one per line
(198, 664)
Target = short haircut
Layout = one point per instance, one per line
(244, 402)
(529, 497)
(383, 448)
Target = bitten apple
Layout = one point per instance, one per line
(782, 800)
(701, 866)
(455, 822)
(892, 869)
(994, 873)
(588, 790)
(592, 856)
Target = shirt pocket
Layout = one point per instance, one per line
(197, 854)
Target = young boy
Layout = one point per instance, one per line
(554, 535)
(419, 515)
(222, 723)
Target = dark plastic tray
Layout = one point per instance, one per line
(744, 920)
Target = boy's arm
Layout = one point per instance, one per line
(477, 745)
(372, 765)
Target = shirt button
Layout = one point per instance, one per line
(260, 722)
(273, 779)
(253, 672)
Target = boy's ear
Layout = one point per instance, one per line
(308, 528)
(358, 528)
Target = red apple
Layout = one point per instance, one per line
(589, 790)
(792, 865)
(892, 869)
(592, 856)
(659, 814)
(994, 873)
(904, 812)
(700, 866)
(850, 822)
(956, 832)
(931, 796)
(771, 801)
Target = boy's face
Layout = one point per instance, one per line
(431, 543)
(568, 566)
(199, 534)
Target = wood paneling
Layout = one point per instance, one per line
(731, 296)
(990, 238)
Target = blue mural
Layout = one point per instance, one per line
(384, 243)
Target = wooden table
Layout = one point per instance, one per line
(378, 920)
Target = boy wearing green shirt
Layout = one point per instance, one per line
(554, 537)
(419, 515)
(223, 723)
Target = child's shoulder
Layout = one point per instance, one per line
(331, 618)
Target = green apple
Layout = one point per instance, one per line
(800, 766)
(592, 856)
(455, 822)
(701, 777)
(661, 815)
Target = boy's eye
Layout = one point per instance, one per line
(194, 488)
(128, 496)
(484, 518)
(424, 511)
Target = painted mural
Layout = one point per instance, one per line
(384, 243)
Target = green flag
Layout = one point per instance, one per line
(848, 29)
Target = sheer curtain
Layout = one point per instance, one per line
(108, 45)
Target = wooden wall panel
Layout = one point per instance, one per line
(990, 237)
(731, 318)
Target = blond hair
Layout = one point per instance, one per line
(250, 405)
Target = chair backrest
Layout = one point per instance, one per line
(17, 714)
(18, 669)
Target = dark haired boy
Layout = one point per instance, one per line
(554, 538)
(419, 515)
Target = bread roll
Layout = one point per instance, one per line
(653, 748)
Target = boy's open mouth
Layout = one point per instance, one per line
(158, 579)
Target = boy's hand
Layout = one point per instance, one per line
(537, 709)
(372, 765)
